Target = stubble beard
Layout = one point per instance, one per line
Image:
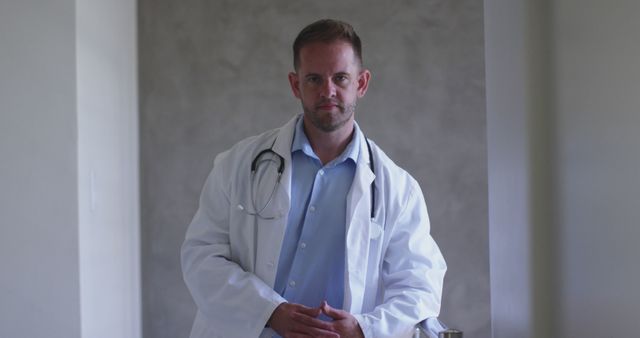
(330, 122)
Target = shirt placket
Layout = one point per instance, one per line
(299, 268)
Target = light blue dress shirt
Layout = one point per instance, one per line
(312, 259)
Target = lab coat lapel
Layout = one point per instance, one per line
(270, 233)
(282, 147)
(358, 231)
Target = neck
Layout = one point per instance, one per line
(329, 145)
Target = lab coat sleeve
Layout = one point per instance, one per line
(234, 302)
(412, 274)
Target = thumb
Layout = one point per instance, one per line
(336, 314)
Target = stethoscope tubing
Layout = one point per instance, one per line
(256, 162)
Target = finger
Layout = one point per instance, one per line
(333, 313)
(324, 334)
(296, 335)
(307, 331)
(311, 321)
(309, 311)
(318, 333)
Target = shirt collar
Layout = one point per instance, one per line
(301, 143)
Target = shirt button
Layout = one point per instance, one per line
(312, 208)
(321, 172)
(303, 245)
(292, 283)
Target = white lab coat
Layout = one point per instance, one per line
(394, 269)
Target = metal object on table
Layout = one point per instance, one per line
(450, 333)
(434, 328)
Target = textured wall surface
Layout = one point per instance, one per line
(212, 73)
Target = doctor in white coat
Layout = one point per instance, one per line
(393, 269)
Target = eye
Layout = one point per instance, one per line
(341, 78)
(314, 79)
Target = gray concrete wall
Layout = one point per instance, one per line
(212, 73)
(39, 278)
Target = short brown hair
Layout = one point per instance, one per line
(326, 30)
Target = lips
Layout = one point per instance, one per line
(328, 105)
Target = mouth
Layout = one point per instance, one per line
(328, 106)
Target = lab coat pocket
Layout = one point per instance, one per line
(376, 238)
(257, 237)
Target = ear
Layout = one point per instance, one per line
(363, 82)
(294, 82)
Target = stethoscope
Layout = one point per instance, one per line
(261, 158)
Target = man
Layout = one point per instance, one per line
(310, 230)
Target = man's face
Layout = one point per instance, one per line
(328, 83)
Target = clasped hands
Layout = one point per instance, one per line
(296, 320)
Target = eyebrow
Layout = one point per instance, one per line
(343, 73)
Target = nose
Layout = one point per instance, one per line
(328, 89)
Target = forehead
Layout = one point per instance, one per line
(323, 57)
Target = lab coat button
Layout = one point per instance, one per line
(303, 245)
(376, 231)
(292, 283)
(312, 208)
